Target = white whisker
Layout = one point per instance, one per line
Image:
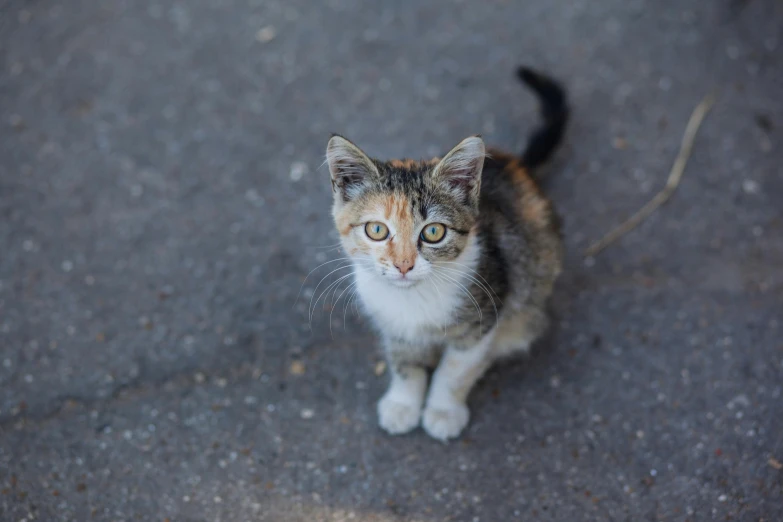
(311, 272)
(335, 245)
(332, 285)
(315, 291)
(347, 300)
(477, 275)
(465, 290)
(435, 285)
(479, 284)
(326, 291)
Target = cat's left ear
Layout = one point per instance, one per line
(460, 170)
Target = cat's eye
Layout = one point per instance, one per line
(433, 233)
(376, 231)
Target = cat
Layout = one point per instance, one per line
(454, 260)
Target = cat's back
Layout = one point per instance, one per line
(521, 218)
(508, 187)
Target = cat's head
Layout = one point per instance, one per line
(398, 218)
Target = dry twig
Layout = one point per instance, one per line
(675, 175)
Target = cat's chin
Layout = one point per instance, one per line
(404, 283)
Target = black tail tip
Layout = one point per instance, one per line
(527, 75)
(548, 89)
(553, 108)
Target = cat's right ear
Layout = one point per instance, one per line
(349, 167)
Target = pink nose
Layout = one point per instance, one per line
(405, 266)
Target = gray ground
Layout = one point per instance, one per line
(162, 199)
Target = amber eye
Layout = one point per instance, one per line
(376, 231)
(433, 233)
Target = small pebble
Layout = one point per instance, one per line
(307, 413)
(750, 186)
(67, 266)
(297, 368)
(266, 34)
(298, 170)
(253, 196)
(722, 498)
(380, 368)
(732, 51)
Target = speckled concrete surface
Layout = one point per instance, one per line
(162, 200)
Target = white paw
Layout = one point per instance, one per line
(445, 422)
(396, 416)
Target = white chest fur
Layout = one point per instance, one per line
(420, 313)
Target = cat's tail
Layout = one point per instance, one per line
(554, 111)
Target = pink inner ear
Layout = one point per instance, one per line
(349, 173)
(463, 177)
(461, 168)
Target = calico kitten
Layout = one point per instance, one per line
(454, 261)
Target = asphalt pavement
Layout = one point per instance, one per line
(163, 198)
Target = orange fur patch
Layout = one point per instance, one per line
(344, 221)
(407, 164)
(535, 207)
(400, 248)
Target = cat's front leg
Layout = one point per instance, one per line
(399, 410)
(447, 414)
